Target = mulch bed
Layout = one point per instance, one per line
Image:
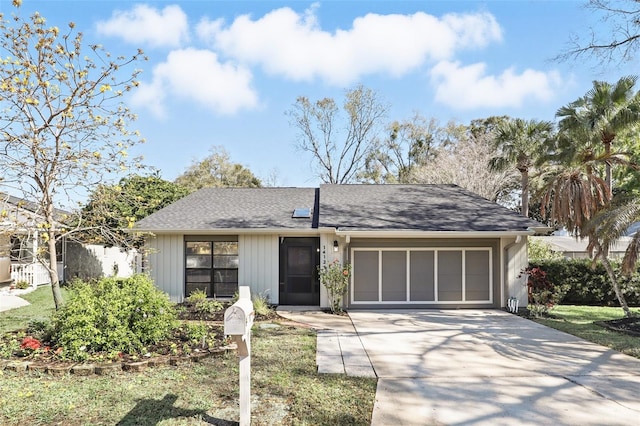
(629, 326)
(175, 351)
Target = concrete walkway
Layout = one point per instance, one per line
(9, 301)
(475, 367)
(339, 349)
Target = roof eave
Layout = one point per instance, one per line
(226, 231)
(431, 234)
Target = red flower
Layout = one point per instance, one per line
(30, 343)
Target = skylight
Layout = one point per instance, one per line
(302, 212)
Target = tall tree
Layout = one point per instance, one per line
(606, 110)
(408, 144)
(113, 208)
(463, 161)
(63, 125)
(573, 196)
(217, 170)
(519, 143)
(339, 145)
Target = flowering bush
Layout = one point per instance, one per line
(335, 277)
(543, 294)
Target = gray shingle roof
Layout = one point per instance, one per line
(427, 208)
(235, 208)
(431, 208)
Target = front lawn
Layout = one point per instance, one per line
(286, 388)
(582, 321)
(41, 307)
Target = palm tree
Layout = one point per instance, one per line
(520, 144)
(574, 198)
(602, 113)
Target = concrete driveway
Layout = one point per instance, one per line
(462, 367)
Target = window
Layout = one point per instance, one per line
(211, 266)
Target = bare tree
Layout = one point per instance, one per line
(465, 162)
(63, 126)
(615, 39)
(338, 145)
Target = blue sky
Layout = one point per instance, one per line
(225, 72)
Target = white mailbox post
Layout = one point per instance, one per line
(238, 319)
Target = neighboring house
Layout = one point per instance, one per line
(573, 248)
(423, 246)
(20, 239)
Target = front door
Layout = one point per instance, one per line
(299, 260)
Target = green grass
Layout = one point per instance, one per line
(581, 321)
(41, 307)
(286, 389)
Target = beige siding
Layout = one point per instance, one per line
(258, 264)
(516, 261)
(166, 260)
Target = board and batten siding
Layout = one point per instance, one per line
(258, 264)
(516, 260)
(166, 261)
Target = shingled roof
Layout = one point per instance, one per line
(235, 208)
(421, 208)
(427, 208)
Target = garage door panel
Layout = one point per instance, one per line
(477, 274)
(449, 276)
(365, 276)
(394, 276)
(422, 276)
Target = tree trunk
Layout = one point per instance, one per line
(525, 192)
(614, 284)
(608, 178)
(53, 270)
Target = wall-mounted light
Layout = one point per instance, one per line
(335, 245)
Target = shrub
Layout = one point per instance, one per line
(113, 315)
(541, 250)
(261, 304)
(335, 277)
(22, 285)
(543, 294)
(588, 284)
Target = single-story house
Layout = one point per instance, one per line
(422, 246)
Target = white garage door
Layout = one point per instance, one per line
(413, 275)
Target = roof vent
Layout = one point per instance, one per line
(301, 213)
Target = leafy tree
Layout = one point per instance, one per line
(606, 110)
(464, 160)
(113, 208)
(339, 145)
(217, 170)
(519, 143)
(409, 144)
(63, 125)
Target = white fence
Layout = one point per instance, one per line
(33, 273)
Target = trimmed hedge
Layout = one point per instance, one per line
(588, 284)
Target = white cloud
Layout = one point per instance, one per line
(144, 24)
(286, 43)
(469, 87)
(197, 75)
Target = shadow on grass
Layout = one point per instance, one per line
(150, 412)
